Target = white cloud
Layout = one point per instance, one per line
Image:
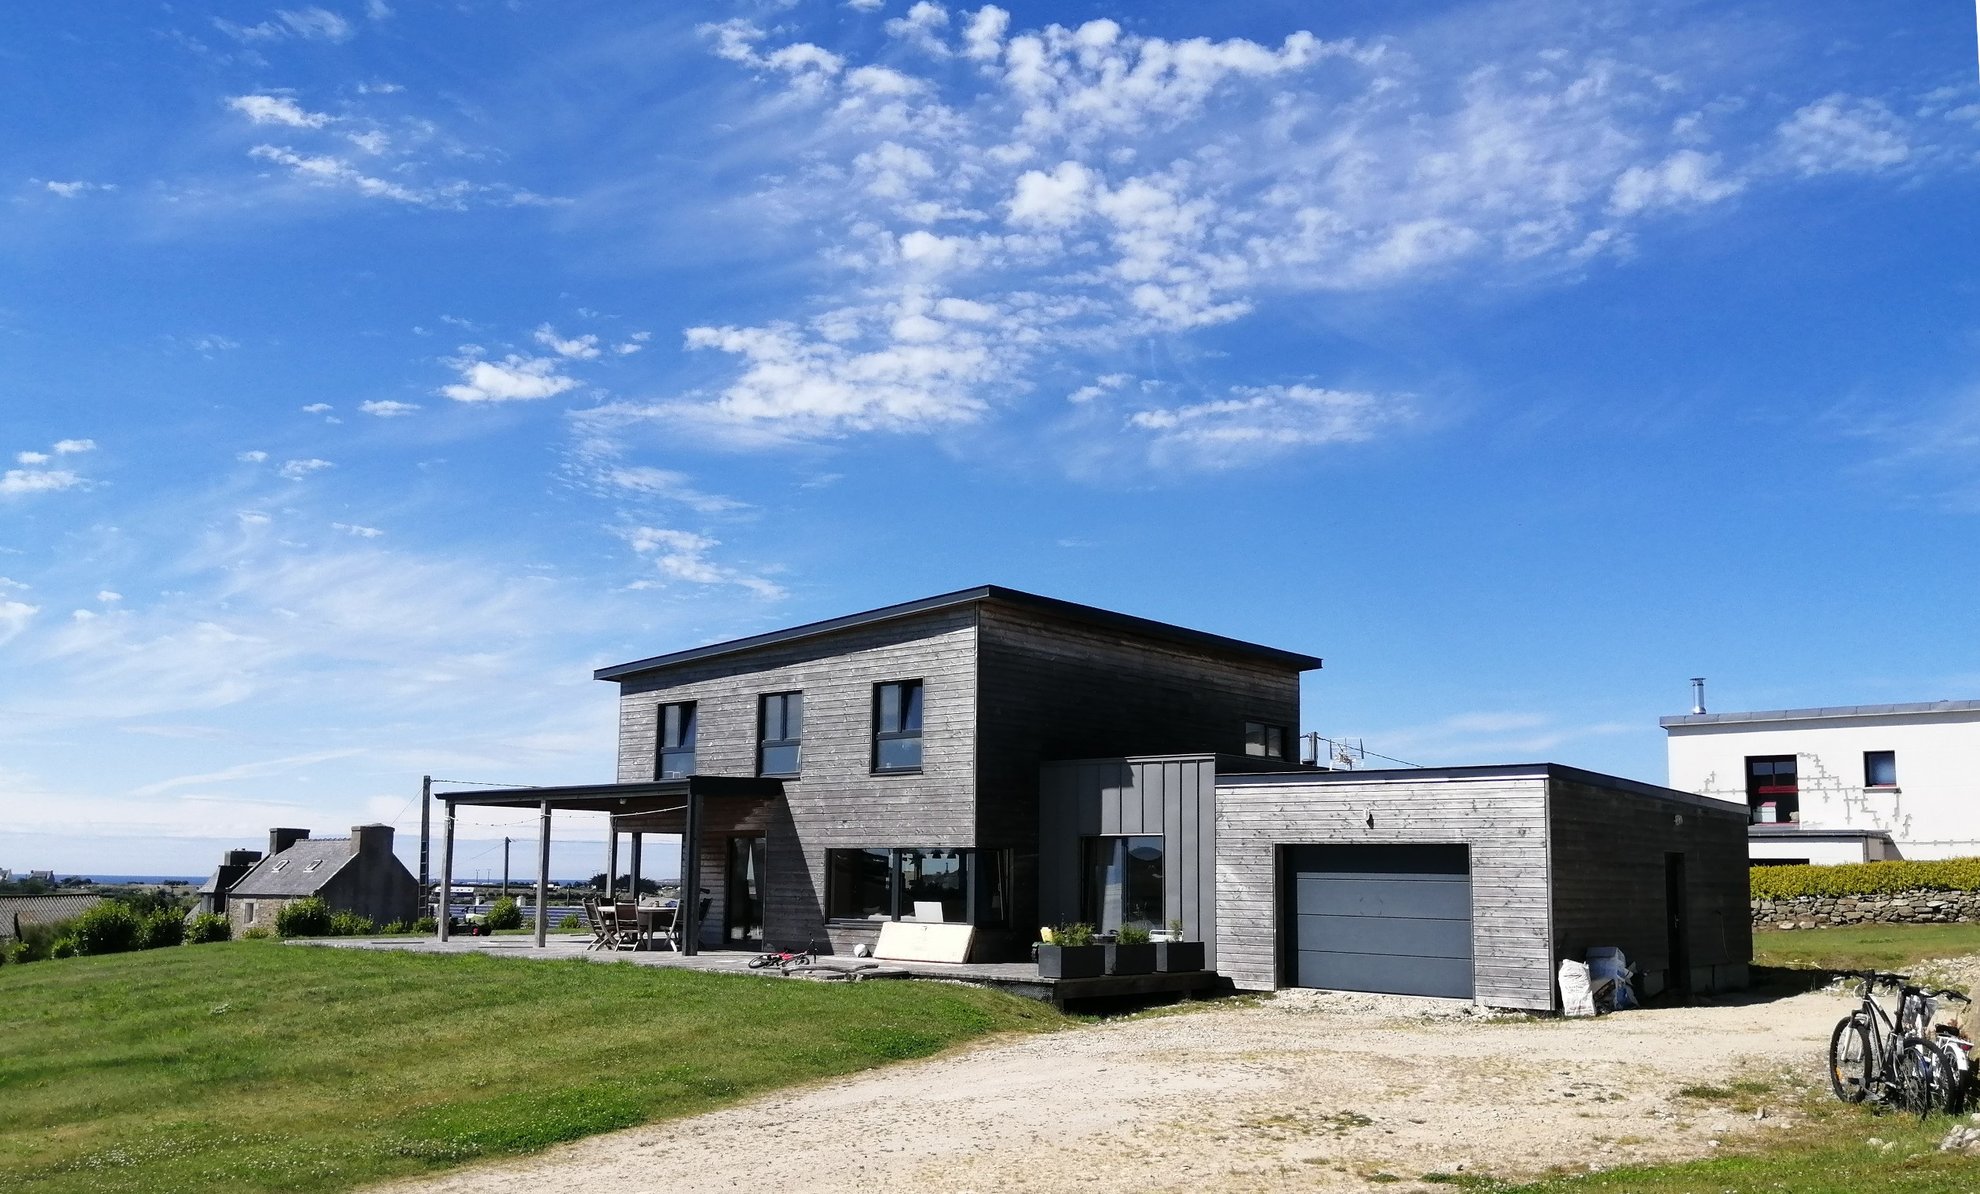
(327, 171)
(308, 24)
(69, 447)
(108, 596)
(255, 456)
(32, 457)
(296, 470)
(665, 483)
(515, 378)
(317, 408)
(277, 109)
(377, 10)
(1102, 386)
(1840, 133)
(1686, 178)
(77, 188)
(1259, 421)
(922, 27)
(15, 482)
(1052, 200)
(866, 5)
(14, 617)
(385, 408)
(361, 532)
(683, 555)
(582, 348)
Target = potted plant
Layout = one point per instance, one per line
(1176, 956)
(1069, 952)
(1131, 952)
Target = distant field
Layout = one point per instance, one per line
(1863, 947)
(256, 1066)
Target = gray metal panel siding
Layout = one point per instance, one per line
(1502, 820)
(1608, 863)
(836, 801)
(1170, 797)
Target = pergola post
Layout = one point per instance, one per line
(611, 855)
(638, 839)
(446, 873)
(689, 914)
(543, 878)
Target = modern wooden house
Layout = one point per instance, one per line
(885, 765)
(1008, 761)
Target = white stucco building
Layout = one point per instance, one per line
(1853, 783)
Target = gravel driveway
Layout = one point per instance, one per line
(1306, 1091)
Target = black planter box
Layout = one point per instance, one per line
(1130, 959)
(1178, 957)
(1071, 961)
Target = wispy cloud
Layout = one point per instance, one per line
(296, 470)
(514, 378)
(386, 408)
(306, 24)
(277, 109)
(684, 556)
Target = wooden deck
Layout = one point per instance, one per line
(1015, 978)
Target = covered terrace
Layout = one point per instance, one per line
(669, 806)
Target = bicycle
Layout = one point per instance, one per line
(784, 959)
(1870, 1054)
(1953, 1075)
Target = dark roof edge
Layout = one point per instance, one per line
(1820, 713)
(1066, 609)
(1483, 771)
(572, 795)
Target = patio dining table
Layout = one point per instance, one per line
(658, 920)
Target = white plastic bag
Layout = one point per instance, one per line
(1575, 997)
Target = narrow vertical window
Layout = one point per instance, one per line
(677, 740)
(780, 725)
(897, 726)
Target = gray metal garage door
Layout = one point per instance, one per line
(1395, 919)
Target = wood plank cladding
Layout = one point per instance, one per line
(1609, 849)
(1503, 822)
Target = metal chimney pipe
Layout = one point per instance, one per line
(1697, 695)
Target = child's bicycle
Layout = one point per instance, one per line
(784, 959)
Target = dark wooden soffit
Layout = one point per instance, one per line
(620, 799)
(1069, 610)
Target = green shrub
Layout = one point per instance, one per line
(160, 928)
(350, 924)
(394, 928)
(572, 923)
(257, 933)
(1074, 934)
(304, 918)
(1864, 878)
(208, 927)
(108, 928)
(1132, 935)
(426, 924)
(64, 947)
(504, 913)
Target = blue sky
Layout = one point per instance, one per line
(372, 372)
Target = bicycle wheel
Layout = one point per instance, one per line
(1852, 1066)
(1952, 1080)
(761, 960)
(1912, 1076)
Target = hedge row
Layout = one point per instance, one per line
(1864, 878)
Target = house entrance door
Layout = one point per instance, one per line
(742, 905)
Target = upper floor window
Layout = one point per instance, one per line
(897, 726)
(1264, 740)
(1880, 769)
(1772, 791)
(779, 725)
(676, 740)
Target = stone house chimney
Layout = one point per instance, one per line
(281, 839)
(371, 841)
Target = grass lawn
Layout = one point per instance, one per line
(256, 1066)
(1862, 947)
(1829, 1151)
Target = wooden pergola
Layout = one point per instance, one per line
(656, 806)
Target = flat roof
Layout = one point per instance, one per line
(622, 799)
(1395, 775)
(1068, 610)
(1827, 711)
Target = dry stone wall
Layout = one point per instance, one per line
(1920, 906)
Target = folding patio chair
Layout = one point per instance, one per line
(625, 926)
(594, 919)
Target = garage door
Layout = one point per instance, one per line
(1395, 919)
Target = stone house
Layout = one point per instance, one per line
(355, 874)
